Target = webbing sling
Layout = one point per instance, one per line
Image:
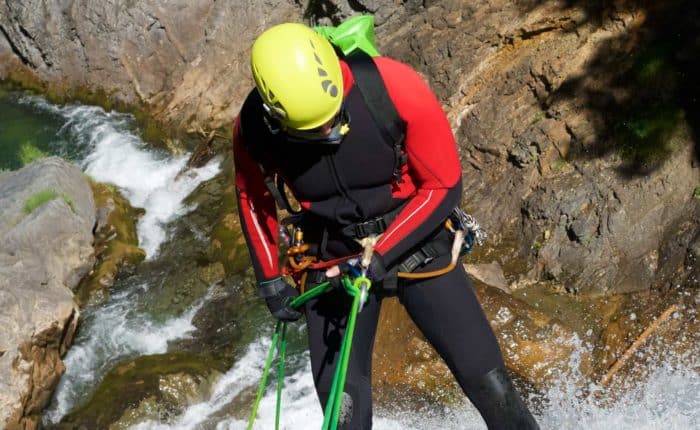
(371, 85)
(276, 189)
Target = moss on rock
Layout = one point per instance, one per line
(167, 381)
(116, 241)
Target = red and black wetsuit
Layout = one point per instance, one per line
(352, 182)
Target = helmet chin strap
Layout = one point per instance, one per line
(335, 136)
(272, 124)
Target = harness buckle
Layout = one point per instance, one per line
(368, 228)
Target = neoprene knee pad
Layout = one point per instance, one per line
(500, 404)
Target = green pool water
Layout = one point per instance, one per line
(30, 129)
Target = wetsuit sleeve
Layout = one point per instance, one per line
(433, 162)
(256, 209)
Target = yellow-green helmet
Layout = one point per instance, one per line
(298, 75)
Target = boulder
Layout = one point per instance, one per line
(47, 213)
(168, 56)
(157, 387)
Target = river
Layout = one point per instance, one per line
(124, 327)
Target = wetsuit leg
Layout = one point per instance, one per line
(446, 310)
(326, 320)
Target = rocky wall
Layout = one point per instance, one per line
(543, 98)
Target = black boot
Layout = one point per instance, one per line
(500, 404)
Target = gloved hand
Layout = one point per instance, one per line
(277, 294)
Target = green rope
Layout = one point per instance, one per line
(266, 371)
(280, 376)
(335, 398)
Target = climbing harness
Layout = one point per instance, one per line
(464, 228)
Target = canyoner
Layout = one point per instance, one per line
(363, 145)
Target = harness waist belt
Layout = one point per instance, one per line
(378, 225)
(426, 254)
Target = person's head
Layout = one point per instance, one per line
(298, 76)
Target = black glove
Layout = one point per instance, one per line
(277, 294)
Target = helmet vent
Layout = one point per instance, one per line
(327, 85)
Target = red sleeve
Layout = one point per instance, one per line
(433, 161)
(256, 209)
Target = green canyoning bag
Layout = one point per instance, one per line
(356, 33)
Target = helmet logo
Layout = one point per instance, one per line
(328, 86)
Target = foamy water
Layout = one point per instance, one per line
(669, 399)
(112, 333)
(107, 148)
(109, 151)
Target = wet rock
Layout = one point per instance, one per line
(116, 242)
(647, 329)
(221, 324)
(490, 274)
(155, 387)
(537, 349)
(604, 238)
(47, 213)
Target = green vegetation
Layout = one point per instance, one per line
(696, 192)
(539, 116)
(652, 66)
(646, 125)
(645, 137)
(41, 197)
(29, 153)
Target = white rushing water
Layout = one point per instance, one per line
(110, 151)
(114, 333)
(669, 399)
(105, 145)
